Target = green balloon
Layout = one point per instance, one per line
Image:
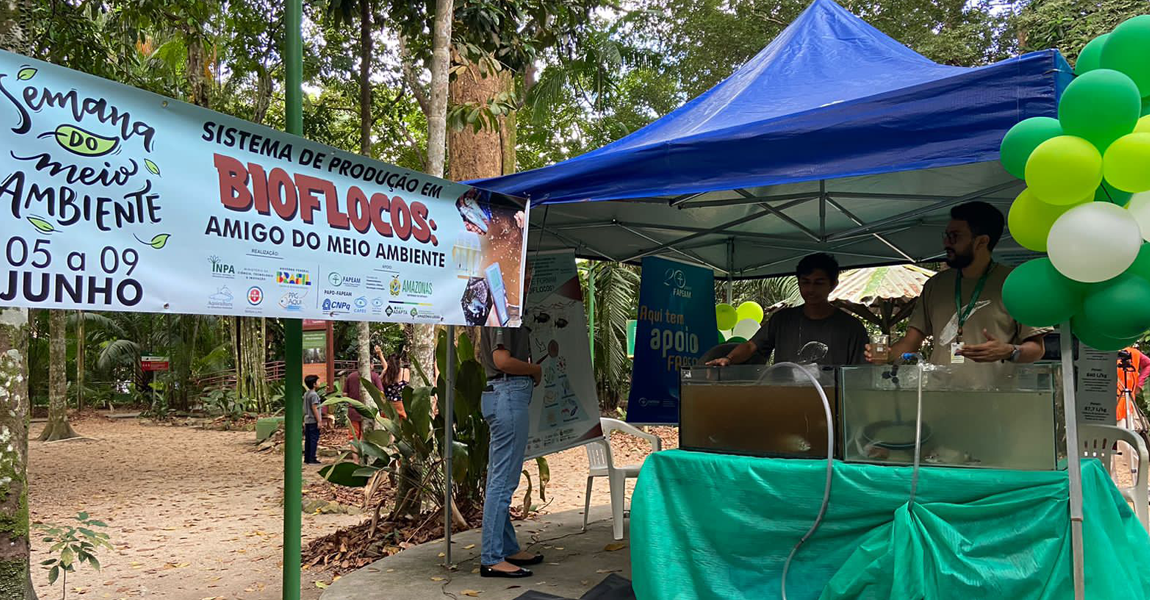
(1087, 335)
(1036, 294)
(1064, 170)
(1100, 106)
(1127, 49)
(1146, 106)
(1119, 308)
(1091, 56)
(1108, 193)
(737, 340)
(722, 338)
(1022, 139)
(725, 316)
(1141, 266)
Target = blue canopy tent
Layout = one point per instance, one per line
(834, 138)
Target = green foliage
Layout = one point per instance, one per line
(1069, 24)
(616, 299)
(72, 546)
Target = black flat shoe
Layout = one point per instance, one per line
(489, 572)
(526, 562)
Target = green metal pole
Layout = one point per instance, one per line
(591, 309)
(293, 335)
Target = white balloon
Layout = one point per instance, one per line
(1139, 207)
(746, 328)
(1094, 242)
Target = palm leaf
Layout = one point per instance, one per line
(118, 353)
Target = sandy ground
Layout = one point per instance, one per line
(196, 514)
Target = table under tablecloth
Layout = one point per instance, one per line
(721, 526)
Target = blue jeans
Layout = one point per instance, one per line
(310, 442)
(505, 410)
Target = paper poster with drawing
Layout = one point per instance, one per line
(564, 406)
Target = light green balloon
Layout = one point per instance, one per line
(726, 317)
(1127, 163)
(1100, 106)
(1036, 294)
(1127, 49)
(1030, 220)
(1091, 56)
(1022, 139)
(750, 310)
(1064, 170)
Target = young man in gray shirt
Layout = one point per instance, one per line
(817, 320)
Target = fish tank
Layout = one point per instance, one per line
(977, 416)
(746, 409)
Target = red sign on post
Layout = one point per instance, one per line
(153, 363)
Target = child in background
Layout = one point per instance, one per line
(311, 421)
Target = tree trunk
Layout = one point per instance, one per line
(251, 372)
(15, 574)
(477, 154)
(440, 65)
(197, 88)
(58, 427)
(363, 329)
(81, 343)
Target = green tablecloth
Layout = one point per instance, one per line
(720, 526)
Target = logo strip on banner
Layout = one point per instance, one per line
(676, 327)
(113, 198)
(564, 410)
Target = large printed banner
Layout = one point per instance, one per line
(676, 327)
(565, 406)
(112, 198)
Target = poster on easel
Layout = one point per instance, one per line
(565, 405)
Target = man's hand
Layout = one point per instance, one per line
(537, 374)
(719, 362)
(992, 350)
(871, 359)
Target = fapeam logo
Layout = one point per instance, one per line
(255, 295)
(335, 279)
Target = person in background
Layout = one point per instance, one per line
(311, 421)
(969, 296)
(1133, 369)
(394, 383)
(352, 389)
(505, 354)
(817, 320)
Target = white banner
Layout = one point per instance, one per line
(112, 198)
(565, 406)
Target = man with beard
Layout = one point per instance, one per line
(962, 307)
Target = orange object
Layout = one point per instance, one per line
(355, 430)
(1128, 380)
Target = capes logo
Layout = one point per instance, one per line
(288, 277)
(292, 300)
(361, 302)
(330, 305)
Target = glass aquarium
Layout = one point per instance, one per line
(1005, 417)
(745, 409)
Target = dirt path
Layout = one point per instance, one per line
(196, 514)
(193, 514)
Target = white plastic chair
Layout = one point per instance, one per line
(602, 464)
(1098, 441)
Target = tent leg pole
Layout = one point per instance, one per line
(1073, 462)
(590, 310)
(730, 270)
(448, 434)
(293, 333)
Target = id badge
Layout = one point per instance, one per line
(955, 357)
